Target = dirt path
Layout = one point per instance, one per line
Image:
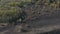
(37, 26)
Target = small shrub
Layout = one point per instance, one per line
(9, 14)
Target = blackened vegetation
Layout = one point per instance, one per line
(51, 1)
(23, 16)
